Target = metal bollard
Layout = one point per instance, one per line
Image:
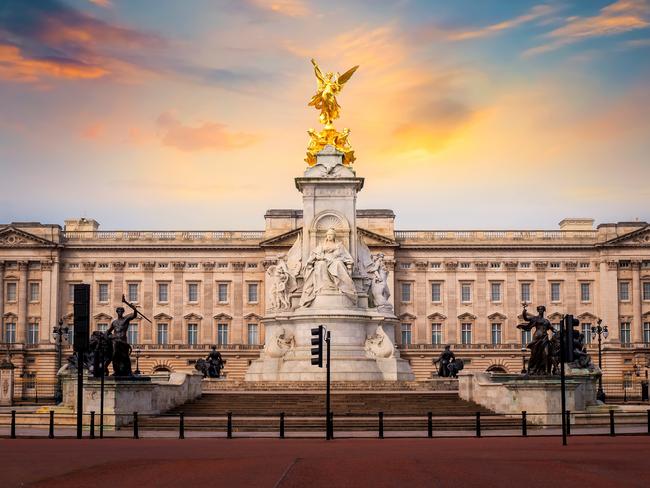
(381, 425)
(51, 433)
(136, 433)
(429, 424)
(568, 422)
(229, 426)
(478, 424)
(181, 425)
(524, 426)
(281, 425)
(92, 424)
(13, 424)
(612, 426)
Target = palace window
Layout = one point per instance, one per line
(32, 333)
(496, 333)
(406, 334)
(253, 335)
(10, 332)
(436, 296)
(11, 291)
(625, 333)
(406, 292)
(222, 293)
(102, 327)
(525, 292)
(495, 292)
(133, 292)
(192, 333)
(192, 292)
(161, 334)
(132, 334)
(163, 292)
(555, 292)
(252, 293)
(585, 292)
(624, 291)
(466, 333)
(102, 292)
(526, 337)
(222, 334)
(646, 332)
(586, 330)
(646, 290)
(466, 292)
(34, 292)
(436, 334)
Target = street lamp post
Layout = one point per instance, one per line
(138, 351)
(59, 332)
(600, 331)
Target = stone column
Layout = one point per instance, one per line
(571, 291)
(608, 299)
(238, 291)
(148, 292)
(206, 332)
(637, 321)
(511, 303)
(2, 301)
(420, 303)
(21, 323)
(451, 285)
(481, 300)
(178, 287)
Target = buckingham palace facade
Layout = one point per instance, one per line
(463, 288)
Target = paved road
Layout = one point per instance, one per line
(503, 462)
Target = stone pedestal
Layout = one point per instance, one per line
(539, 396)
(123, 396)
(6, 383)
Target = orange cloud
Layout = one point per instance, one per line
(208, 135)
(15, 67)
(616, 18)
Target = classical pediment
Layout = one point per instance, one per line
(639, 237)
(283, 240)
(11, 236)
(373, 239)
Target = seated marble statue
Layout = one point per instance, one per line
(328, 268)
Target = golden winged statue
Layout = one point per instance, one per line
(329, 85)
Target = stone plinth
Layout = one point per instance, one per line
(6, 383)
(123, 396)
(539, 396)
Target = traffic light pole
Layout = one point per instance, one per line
(328, 423)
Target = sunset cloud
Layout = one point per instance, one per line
(207, 135)
(616, 18)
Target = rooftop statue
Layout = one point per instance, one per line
(329, 85)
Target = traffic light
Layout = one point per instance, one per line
(317, 340)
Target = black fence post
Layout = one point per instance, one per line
(478, 424)
(92, 424)
(568, 422)
(281, 425)
(13, 424)
(429, 424)
(229, 426)
(381, 425)
(612, 427)
(181, 425)
(524, 426)
(136, 432)
(51, 433)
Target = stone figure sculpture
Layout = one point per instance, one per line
(328, 268)
(211, 366)
(443, 361)
(281, 283)
(121, 349)
(541, 346)
(379, 292)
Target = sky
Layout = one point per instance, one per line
(464, 114)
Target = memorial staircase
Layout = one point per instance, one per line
(256, 407)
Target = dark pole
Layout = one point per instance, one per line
(328, 435)
(80, 393)
(563, 379)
